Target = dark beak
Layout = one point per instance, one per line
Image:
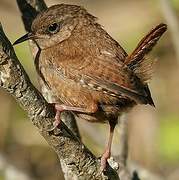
(23, 38)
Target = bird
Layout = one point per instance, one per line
(87, 70)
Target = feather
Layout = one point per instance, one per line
(137, 61)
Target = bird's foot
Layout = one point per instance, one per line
(60, 108)
(106, 155)
(57, 118)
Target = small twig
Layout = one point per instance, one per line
(123, 140)
(172, 22)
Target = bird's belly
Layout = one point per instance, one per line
(73, 94)
(67, 91)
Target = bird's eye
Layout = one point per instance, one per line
(53, 28)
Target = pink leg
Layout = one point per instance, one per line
(60, 108)
(107, 152)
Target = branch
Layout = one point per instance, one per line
(123, 139)
(172, 22)
(80, 162)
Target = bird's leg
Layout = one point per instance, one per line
(107, 152)
(61, 107)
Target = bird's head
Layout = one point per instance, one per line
(56, 24)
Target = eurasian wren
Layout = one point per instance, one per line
(87, 69)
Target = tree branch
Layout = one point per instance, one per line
(172, 22)
(123, 139)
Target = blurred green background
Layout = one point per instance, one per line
(153, 132)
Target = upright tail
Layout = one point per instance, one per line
(137, 61)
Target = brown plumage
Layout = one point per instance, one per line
(87, 69)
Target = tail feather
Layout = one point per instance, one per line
(149, 97)
(137, 62)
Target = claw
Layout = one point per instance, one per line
(60, 108)
(104, 159)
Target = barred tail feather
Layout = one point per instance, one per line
(137, 61)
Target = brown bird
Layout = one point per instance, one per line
(87, 69)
